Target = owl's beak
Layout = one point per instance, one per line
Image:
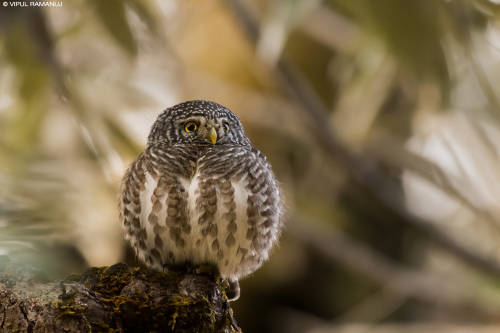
(213, 135)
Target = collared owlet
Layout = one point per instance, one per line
(201, 194)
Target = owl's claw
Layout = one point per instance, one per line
(234, 324)
(182, 268)
(206, 269)
(189, 268)
(232, 290)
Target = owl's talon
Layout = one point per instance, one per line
(232, 290)
(207, 269)
(234, 324)
(189, 268)
(185, 268)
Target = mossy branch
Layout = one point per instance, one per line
(118, 298)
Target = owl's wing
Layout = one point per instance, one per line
(129, 201)
(153, 200)
(264, 206)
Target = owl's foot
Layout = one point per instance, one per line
(206, 269)
(189, 268)
(177, 268)
(231, 317)
(232, 290)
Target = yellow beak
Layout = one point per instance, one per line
(213, 135)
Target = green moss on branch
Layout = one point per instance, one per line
(118, 298)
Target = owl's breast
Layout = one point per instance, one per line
(217, 213)
(227, 213)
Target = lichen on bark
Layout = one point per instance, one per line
(118, 298)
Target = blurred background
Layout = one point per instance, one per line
(381, 120)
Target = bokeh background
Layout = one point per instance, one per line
(381, 120)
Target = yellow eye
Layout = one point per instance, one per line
(190, 126)
(226, 128)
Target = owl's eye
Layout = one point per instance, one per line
(226, 127)
(190, 126)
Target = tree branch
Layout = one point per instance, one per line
(118, 298)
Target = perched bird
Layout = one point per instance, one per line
(201, 194)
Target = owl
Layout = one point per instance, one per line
(200, 194)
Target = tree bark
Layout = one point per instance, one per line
(118, 298)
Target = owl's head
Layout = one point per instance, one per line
(198, 122)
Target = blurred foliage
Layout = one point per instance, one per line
(411, 30)
(112, 15)
(409, 87)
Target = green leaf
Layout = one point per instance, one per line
(120, 137)
(144, 13)
(112, 16)
(22, 53)
(411, 30)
